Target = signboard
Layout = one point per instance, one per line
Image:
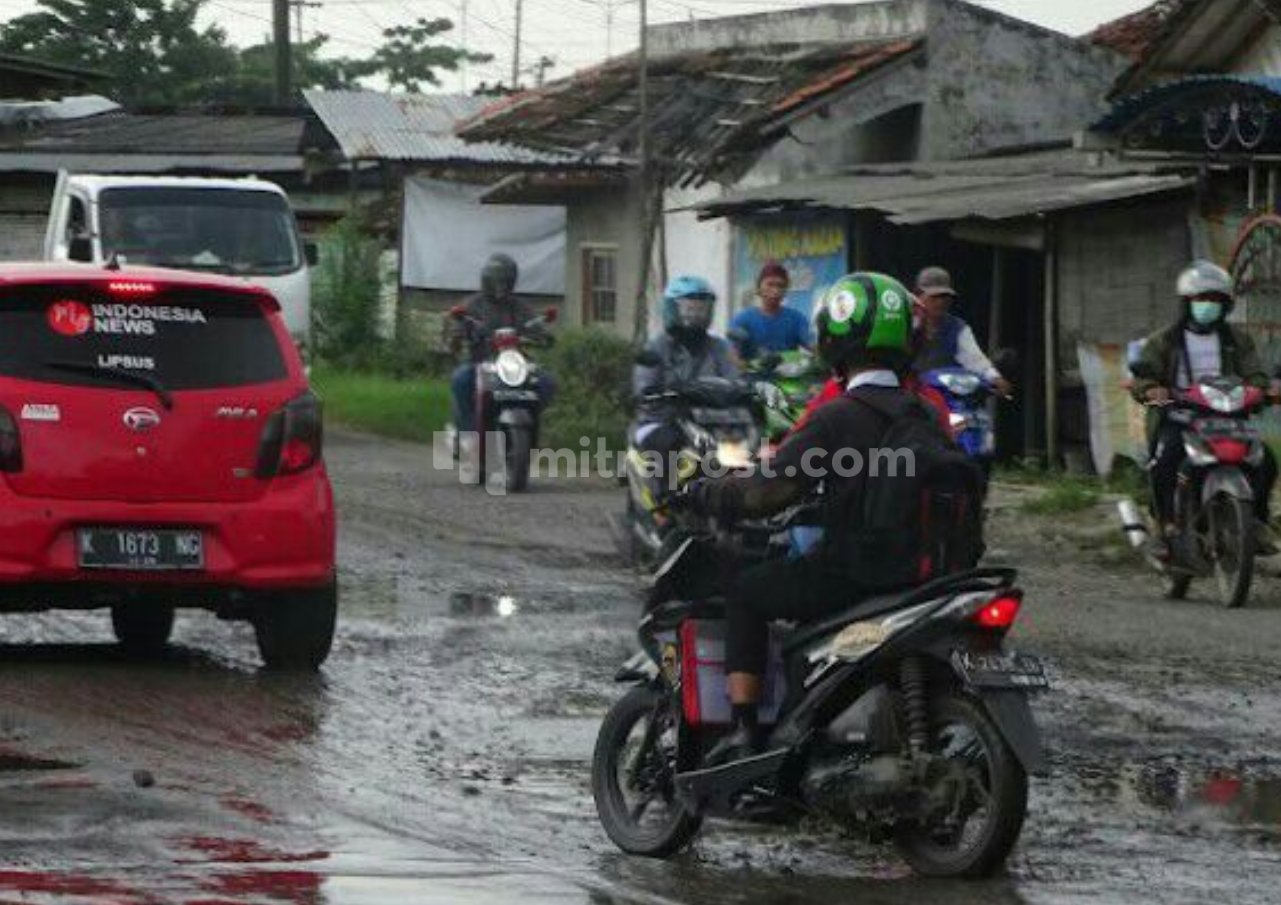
(813, 248)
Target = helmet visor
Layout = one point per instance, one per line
(694, 312)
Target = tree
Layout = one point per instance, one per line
(254, 81)
(409, 60)
(152, 51)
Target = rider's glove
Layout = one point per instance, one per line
(770, 395)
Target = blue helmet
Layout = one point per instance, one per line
(688, 303)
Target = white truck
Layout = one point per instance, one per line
(240, 227)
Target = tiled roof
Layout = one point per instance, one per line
(1134, 35)
(708, 108)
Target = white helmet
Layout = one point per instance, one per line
(1204, 278)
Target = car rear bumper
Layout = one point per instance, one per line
(285, 539)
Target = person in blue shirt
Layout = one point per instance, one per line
(772, 326)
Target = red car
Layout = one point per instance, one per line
(160, 448)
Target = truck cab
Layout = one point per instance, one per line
(243, 228)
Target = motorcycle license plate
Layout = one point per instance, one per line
(1002, 669)
(141, 550)
(515, 396)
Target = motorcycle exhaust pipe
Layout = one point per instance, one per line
(1132, 523)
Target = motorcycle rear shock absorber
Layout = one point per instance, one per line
(914, 686)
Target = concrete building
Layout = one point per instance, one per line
(754, 101)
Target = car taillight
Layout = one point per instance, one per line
(293, 438)
(10, 443)
(999, 613)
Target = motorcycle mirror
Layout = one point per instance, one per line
(648, 358)
(458, 311)
(1006, 361)
(551, 314)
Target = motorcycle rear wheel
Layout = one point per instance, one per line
(959, 729)
(1232, 540)
(628, 779)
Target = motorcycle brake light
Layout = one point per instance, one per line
(999, 613)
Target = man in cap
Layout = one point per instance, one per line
(944, 340)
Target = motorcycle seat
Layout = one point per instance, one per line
(809, 632)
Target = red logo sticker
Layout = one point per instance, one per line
(70, 318)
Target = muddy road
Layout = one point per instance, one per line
(442, 756)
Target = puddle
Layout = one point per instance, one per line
(465, 603)
(1248, 800)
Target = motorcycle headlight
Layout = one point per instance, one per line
(958, 422)
(1228, 401)
(512, 368)
(1198, 451)
(961, 384)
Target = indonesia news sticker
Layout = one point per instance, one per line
(40, 411)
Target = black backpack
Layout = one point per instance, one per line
(915, 524)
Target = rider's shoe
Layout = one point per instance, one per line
(743, 742)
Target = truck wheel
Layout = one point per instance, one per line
(143, 630)
(295, 629)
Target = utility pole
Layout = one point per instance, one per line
(462, 15)
(648, 212)
(299, 6)
(609, 29)
(520, 4)
(284, 53)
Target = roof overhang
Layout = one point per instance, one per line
(1221, 117)
(993, 191)
(555, 188)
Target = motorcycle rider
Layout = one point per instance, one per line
(946, 340)
(1200, 344)
(685, 351)
(771, 327)
(863, 327)
(494, 308)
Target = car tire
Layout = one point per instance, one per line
(142, 630)
(295, 629)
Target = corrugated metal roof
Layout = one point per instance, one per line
(369, 125)
(163, 133)
(990, 189)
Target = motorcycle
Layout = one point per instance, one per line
(786, 382)
(719, 424)
(904, 716)
(507, 402)
(1215, 534)
(967, 394)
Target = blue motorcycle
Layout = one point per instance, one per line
(972, 423)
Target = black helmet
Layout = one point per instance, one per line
(498, 276)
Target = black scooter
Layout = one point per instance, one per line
(904, 716)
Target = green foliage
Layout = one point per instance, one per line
(1064, 498)
(347, 293)
(155, 54)
(406, 409)
(593, 399)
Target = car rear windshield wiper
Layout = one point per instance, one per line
(142, 380)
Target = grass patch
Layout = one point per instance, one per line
(1064, 498)
(404, 408)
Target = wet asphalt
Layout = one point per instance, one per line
(442, 755)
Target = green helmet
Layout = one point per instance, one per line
(864, 318)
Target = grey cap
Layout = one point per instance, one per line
(934, 281)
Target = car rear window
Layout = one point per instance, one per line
(186, 339)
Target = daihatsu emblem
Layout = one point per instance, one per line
(142, 419)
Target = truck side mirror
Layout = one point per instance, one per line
(80, 248)
(311, 252)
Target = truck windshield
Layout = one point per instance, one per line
(222, 230)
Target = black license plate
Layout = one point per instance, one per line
(141, 549)
(1002, 669)
(515, 395)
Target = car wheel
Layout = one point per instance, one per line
(143, 630)
(295, 629)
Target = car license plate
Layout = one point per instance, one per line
(141, 549)
(515, 395)
(1001, 669)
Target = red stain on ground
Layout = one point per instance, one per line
(103, 891)
(296, 887)
(244, 851)
(251, 809)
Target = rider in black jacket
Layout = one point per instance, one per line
(863, 330)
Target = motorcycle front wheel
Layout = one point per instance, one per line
(516, 464)
(1232, 542)
(633, 777)
(981, 792)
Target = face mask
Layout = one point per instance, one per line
(1207, 313)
